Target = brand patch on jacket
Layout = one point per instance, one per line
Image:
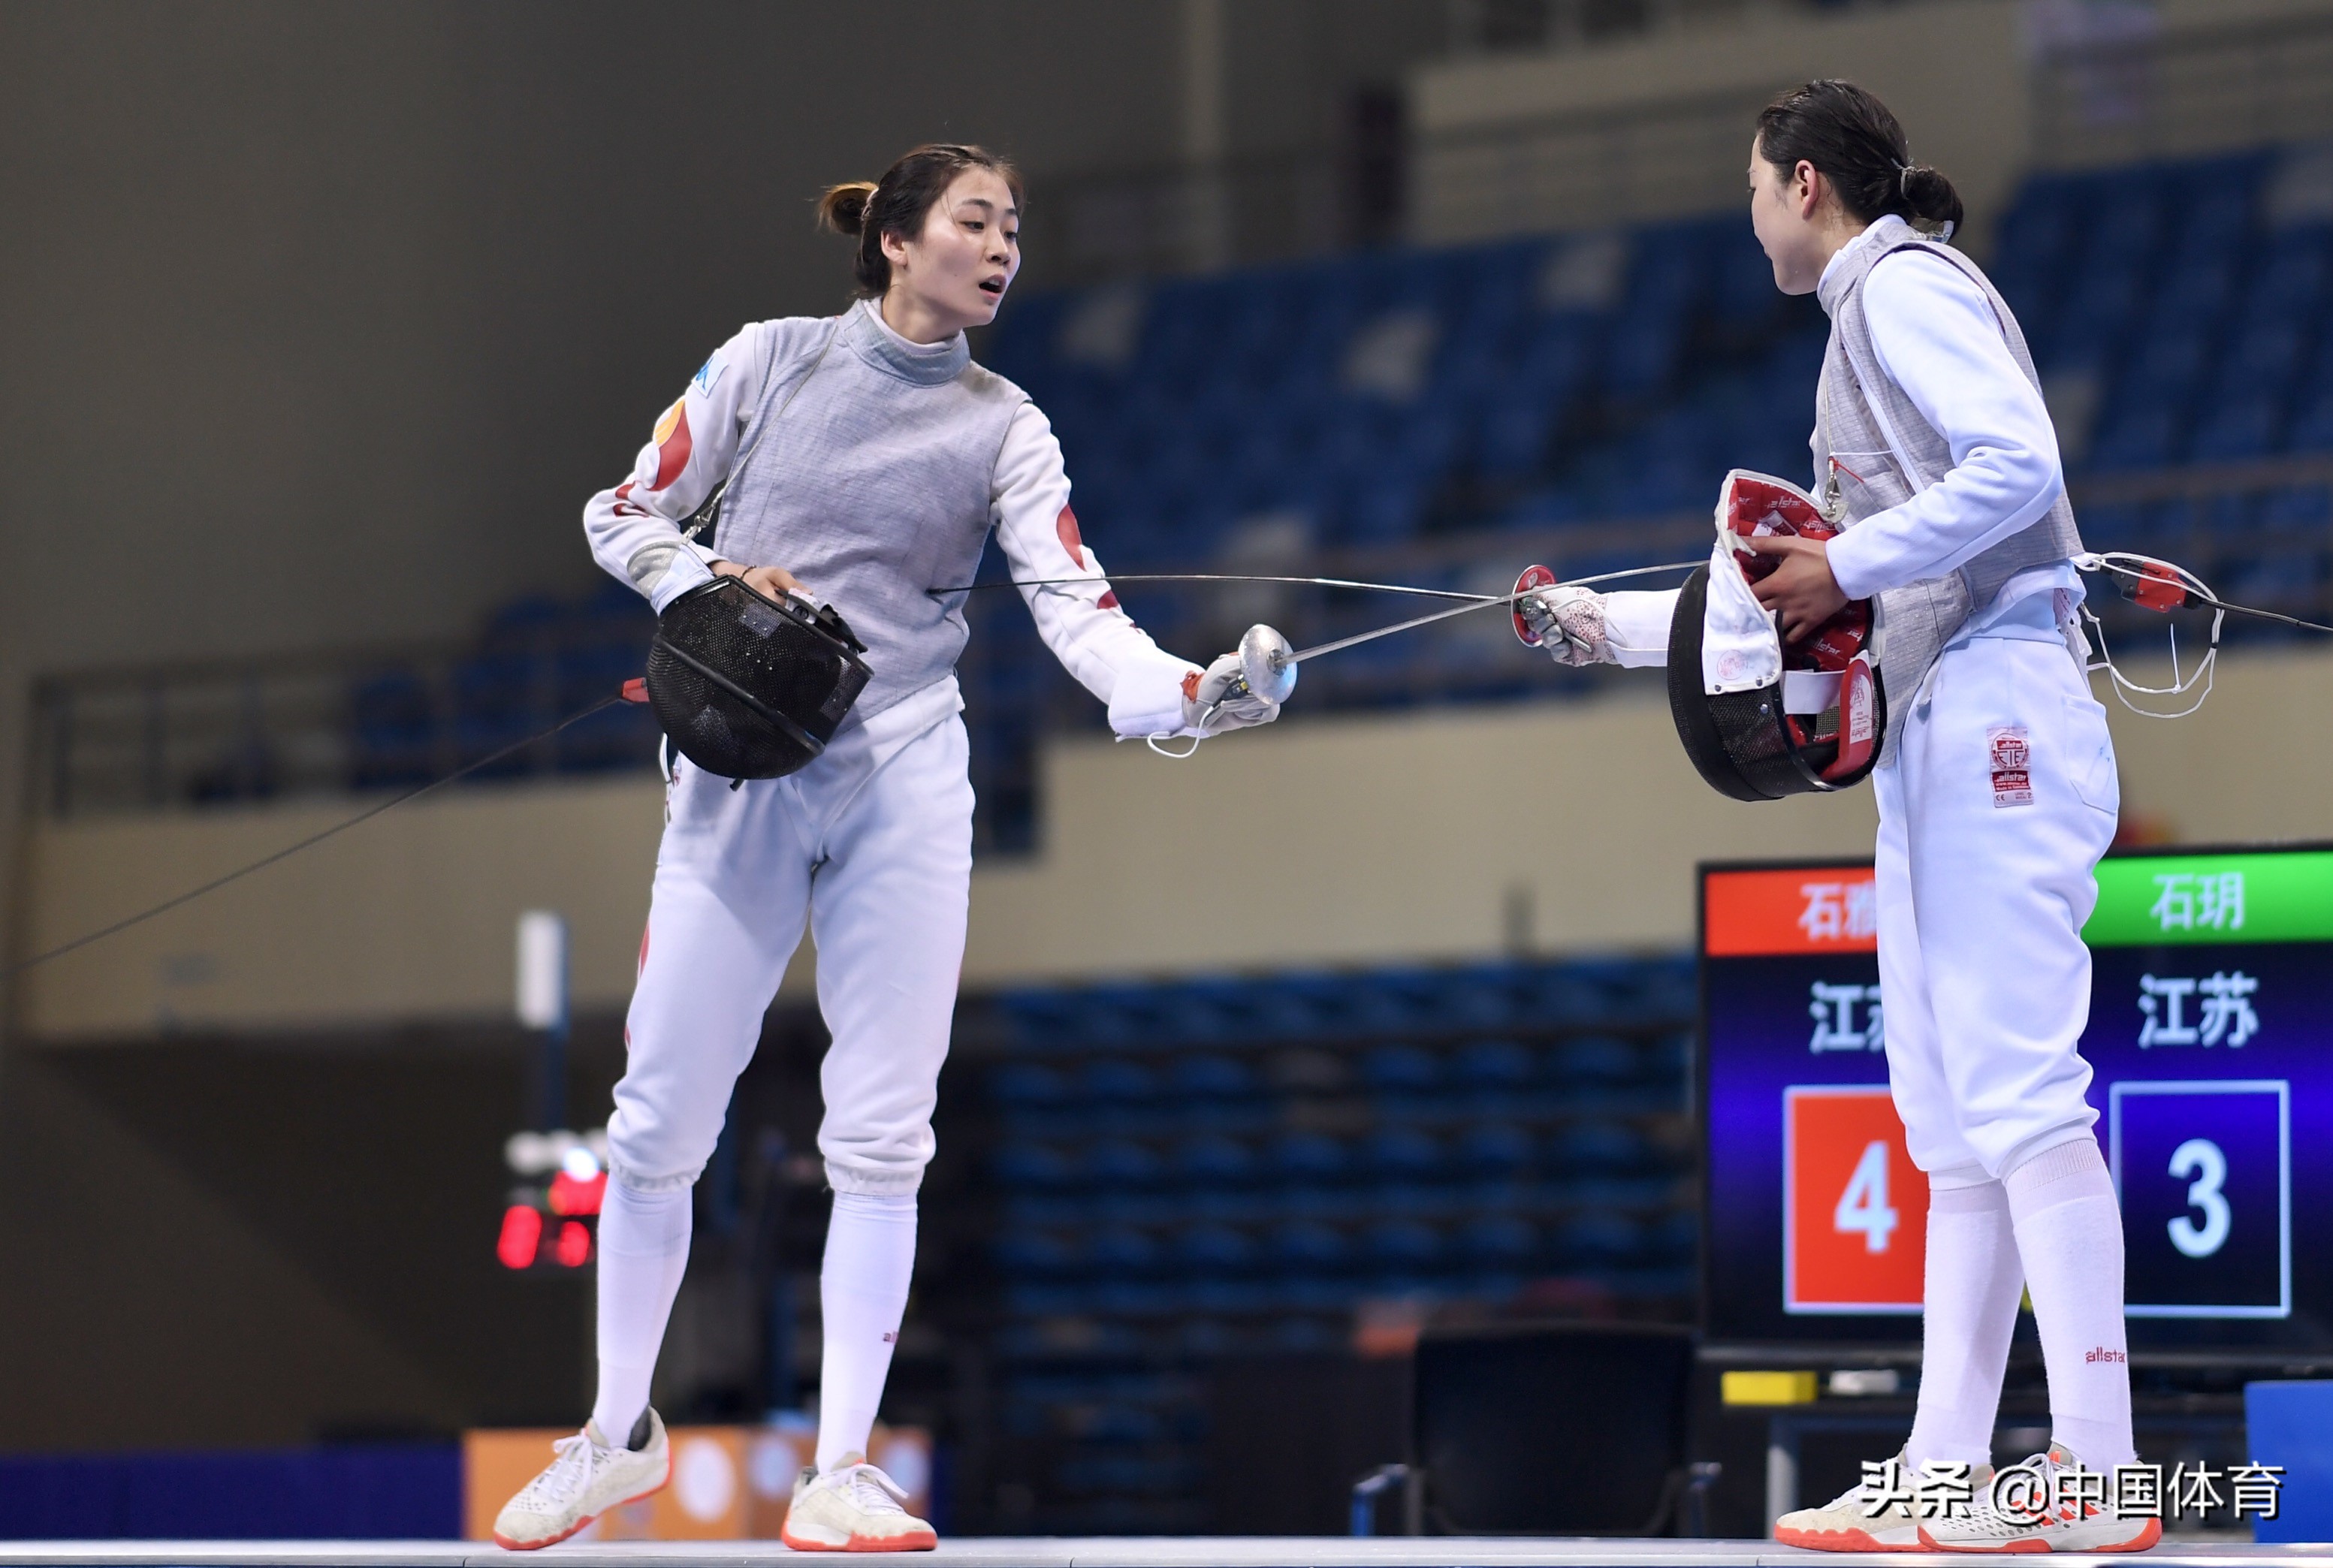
(2012, 773)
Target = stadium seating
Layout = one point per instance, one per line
(1582, 386)
(1212, 1166)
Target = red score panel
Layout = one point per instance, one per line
(1855, 1208)
(1783, 914)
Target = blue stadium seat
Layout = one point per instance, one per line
(1495, 1149)
(1597, 1145)
(1036, 1253)
(624, 736)
(1123, 1162)
(1593, 1060)
(1114, 1078)
(1493, 1064)
(1215, 1160)
(1027, 1083)
(394, 730)
(2298, 509)
(1402, 1153)
(1401, 1069)
(1307, 1247)
(2312, 419)
(1122, 1252)
(1599, 1241)
(498, 701)
(1401, 1244)
(1027, 1164)
(1216, 1250)
(2241, 427)
(1493, 1240)
(1310, 1157)
(1213, 1077)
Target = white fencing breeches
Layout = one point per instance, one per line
(1993, 811)
(871, 845)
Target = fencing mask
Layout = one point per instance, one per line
(748, 686)
(1758, 720)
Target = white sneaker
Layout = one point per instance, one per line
(1863, 1518)
(853, 1507)
(588, 1478)
(2040, 1506)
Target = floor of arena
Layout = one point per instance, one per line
(1061, 1552)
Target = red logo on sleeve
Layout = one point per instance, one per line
(672, 445)
(1066, 525)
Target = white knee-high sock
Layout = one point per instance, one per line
(1970, 1311)
(862, 1291)
(2069, 1236)
(643, 1252)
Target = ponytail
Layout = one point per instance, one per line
(1854, 142)
(898, 202)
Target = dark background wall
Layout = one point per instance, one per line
(318, 324)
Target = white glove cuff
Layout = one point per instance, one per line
(1147, 698)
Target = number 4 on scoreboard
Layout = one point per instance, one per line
(1863, 1207)
(1855, 1208)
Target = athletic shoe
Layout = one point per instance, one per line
(853, 1507)
(1863, 1519)
(589, 1477)
(2039, 1506)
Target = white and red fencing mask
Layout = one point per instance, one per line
(1759, 719)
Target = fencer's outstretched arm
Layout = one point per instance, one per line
(1937, 337)
(1578, 625)
(635, 528)
(1637, 625)
(1082, 623)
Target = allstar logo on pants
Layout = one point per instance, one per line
(2011, 756)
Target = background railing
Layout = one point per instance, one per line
(172, 736)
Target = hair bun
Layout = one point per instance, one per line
(1933, 201)
(843, 207)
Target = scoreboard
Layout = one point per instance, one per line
(2211, 1037)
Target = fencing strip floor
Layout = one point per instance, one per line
(1108, 1551)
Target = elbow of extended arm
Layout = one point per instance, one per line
(2034, 476)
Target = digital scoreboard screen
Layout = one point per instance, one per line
(2211, 1039)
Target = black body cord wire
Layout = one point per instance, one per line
(367, 815)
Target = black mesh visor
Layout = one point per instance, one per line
(1741, 743)
(752, 687)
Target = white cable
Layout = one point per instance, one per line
(2126, 563)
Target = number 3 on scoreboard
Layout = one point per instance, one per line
(1863, 1207)
(1855, 1208)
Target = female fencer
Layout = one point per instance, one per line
(876, 458)
(1997, 795)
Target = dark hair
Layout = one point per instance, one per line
(1857, 145)
(898, 202)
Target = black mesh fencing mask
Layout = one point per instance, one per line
(748, 686)
(1762, 719)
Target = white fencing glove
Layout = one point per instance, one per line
(1210, 710)
(1569, 624)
